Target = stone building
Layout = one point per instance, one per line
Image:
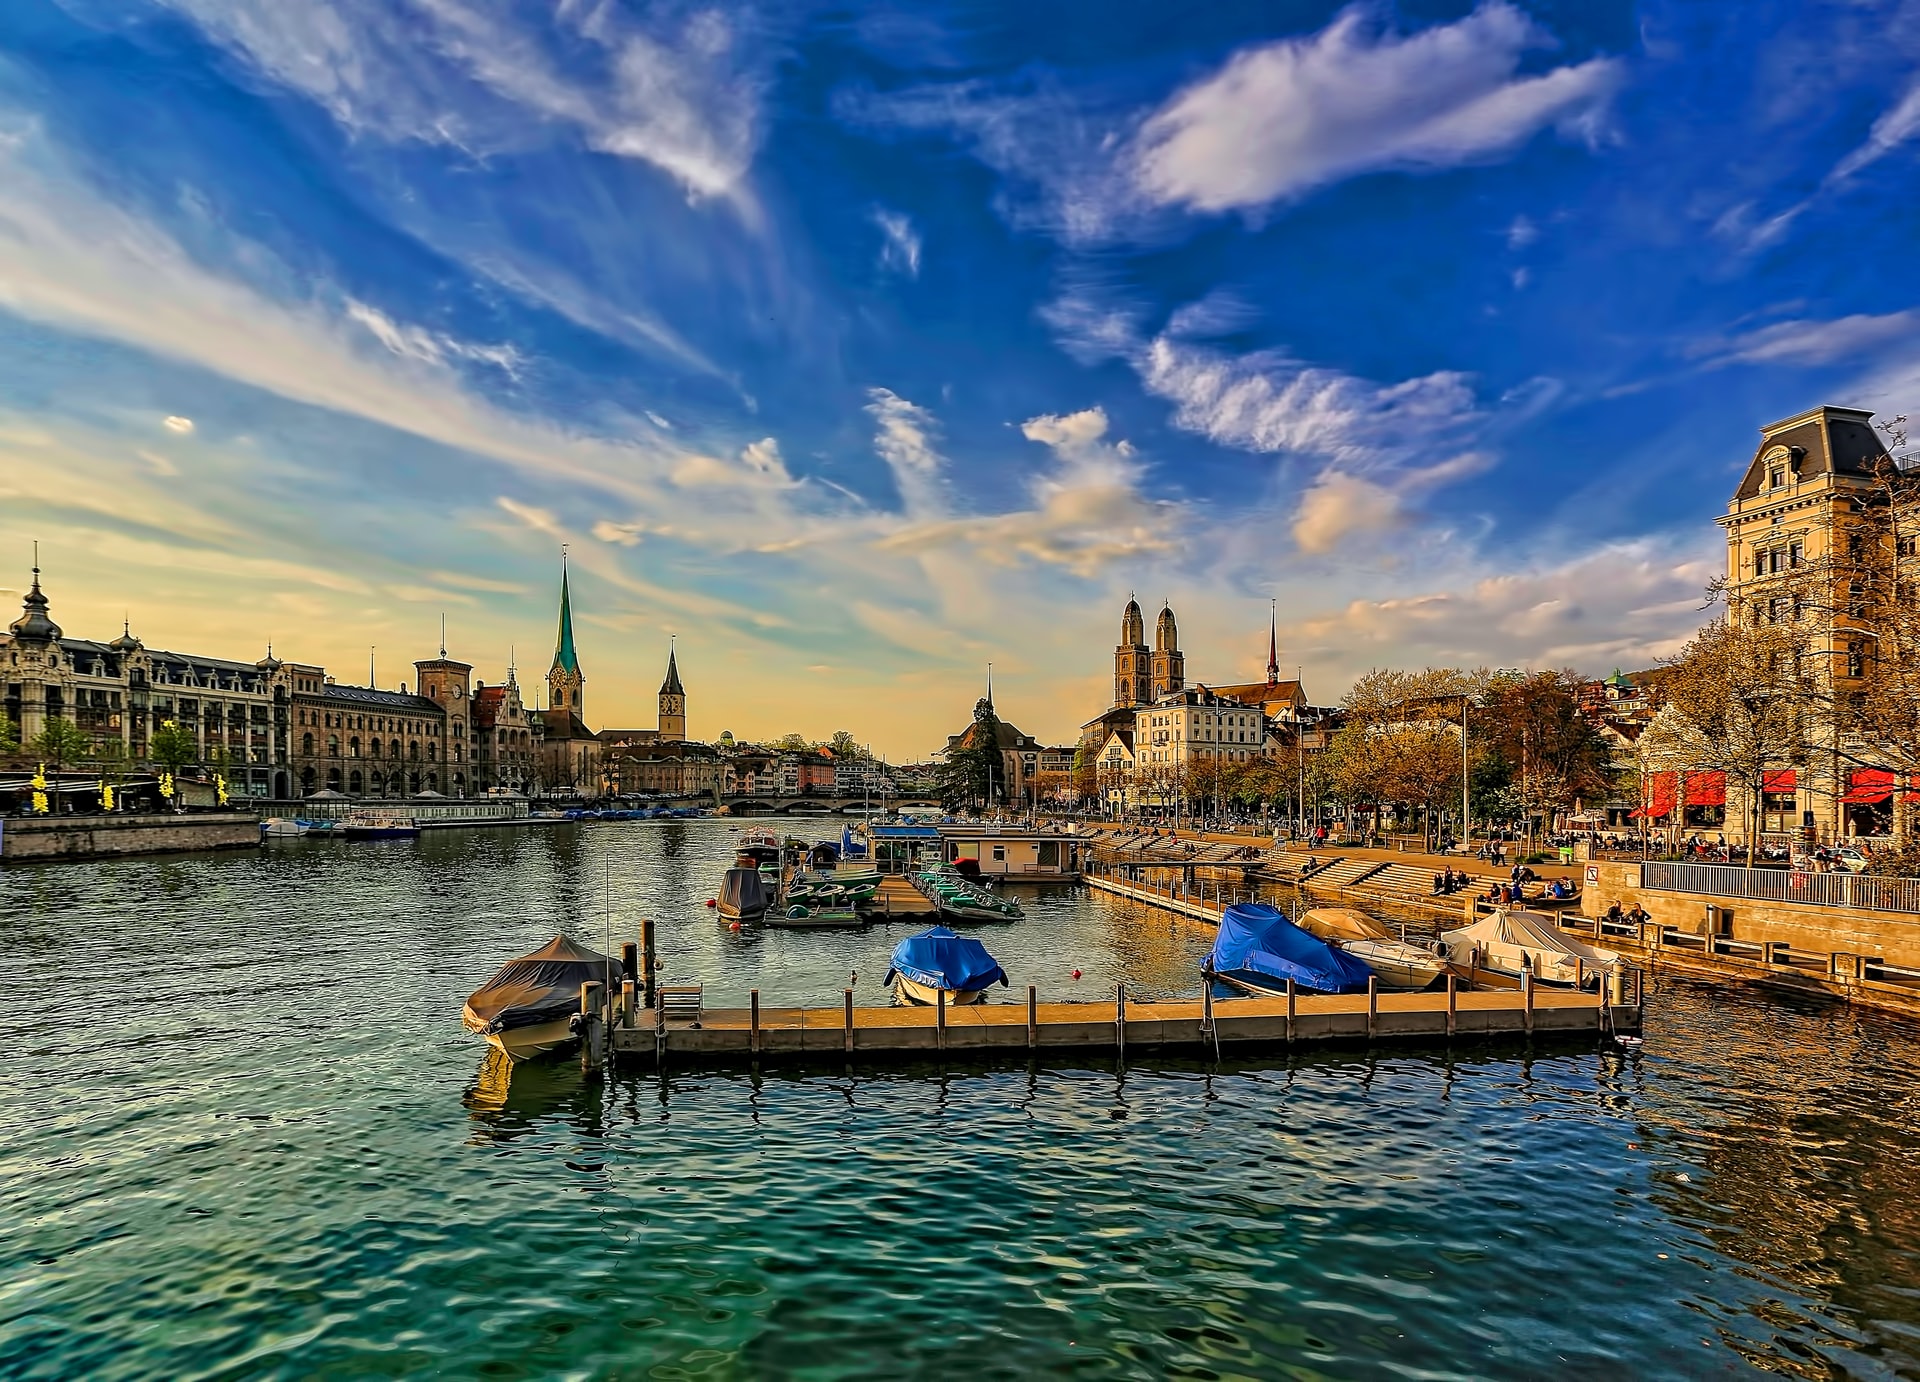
(503, 737)
(568, 753)
(366, 742)
(122, 691)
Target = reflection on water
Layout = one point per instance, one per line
(245, 1135)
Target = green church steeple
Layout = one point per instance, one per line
(564, 656)
(566, 685)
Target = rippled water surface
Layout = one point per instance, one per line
(243, 1135)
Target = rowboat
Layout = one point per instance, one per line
(796, 917)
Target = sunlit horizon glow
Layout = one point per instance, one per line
(858, 354)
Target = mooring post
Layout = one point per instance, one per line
(940, 1018)
(846, 1014)
(1290, 1009)
(1033, 1017)
(1373, 1005)
(629, 961)
(753, 1005)
(589, 1025)
(1526, 995)
(1120, 1019)
(1453, 1001)
(627, 994)
(649, 962)
(1206, 1006)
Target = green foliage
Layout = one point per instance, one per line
(974, 774)
(792, 743)
(9, 735)
(60, 742)
(844, 745)
(172, 747)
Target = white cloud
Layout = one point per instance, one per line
(905, 442)
(682, 94)
(1521, 233)
(179, 426)
(1896, 125)
(417, 343)
(900, 242)
(658, 421)
(1337, 505)
(1816, 342)
(620, 534)
(760, 466)
(1279, 120)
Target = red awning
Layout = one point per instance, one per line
(1659, 792)
(1707, 789)
(1869, 785)
(1782, 782)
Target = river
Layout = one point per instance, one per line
(242, 1134)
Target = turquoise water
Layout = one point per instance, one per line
(242, 1135)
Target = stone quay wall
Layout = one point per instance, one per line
(93, 837)
(1890, 936)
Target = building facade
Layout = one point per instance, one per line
(503, 737)
(121, 691)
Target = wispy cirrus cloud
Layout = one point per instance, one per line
(1273, 123)
(681, 93)
(1279, 120)
(900, 242)
(1813, 342)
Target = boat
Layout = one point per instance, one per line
(798, 917)
(743, 896)
(1399, 963)
(282, 827)
(937, 962)
(376, 828)
(1508, 940)
(960, 899)
(1258, 950)
(528, 1006)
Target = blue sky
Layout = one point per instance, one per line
(855, 348)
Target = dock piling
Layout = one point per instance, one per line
(1120, 1019)
(753, 1037)
(1033, 1017)
(846, 1016)
(1526, 996)
(649, 962)
(627, 994)
(1373, 1006)
(940, 1018)
(1292, 1008)
(1453, 1002)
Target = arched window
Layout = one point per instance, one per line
(333, 746)
(395, 750)
(306, 745)
(433, 753)
(373, 748)
(333, 779)
(353, 748)
(306, 779)
(413, 750)
(355, 785)
(375, 782)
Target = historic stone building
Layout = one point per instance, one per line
(122, 691)
(1169, 663)
(365, 742)
(503, 737)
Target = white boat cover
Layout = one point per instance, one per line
(1503, 937)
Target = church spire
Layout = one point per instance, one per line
(1273, 645)
(565, 659)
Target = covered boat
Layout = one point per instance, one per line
(743, 895)
(1258, 950)
(527, 1006)
(1500, 942)
(937, 961)
(1400, 963)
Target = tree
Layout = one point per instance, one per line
(9, 735)
(1734, 703)
(844, 745)
(60, 742)
(974, 773)
(172, 747)
(792, 743)
(1532, 725)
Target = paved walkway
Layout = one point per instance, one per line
(1432, 863)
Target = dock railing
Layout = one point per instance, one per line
(1858, 891)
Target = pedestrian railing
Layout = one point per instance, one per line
(1859, 891)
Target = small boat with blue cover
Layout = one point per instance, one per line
(1258, 950)
(937, 961)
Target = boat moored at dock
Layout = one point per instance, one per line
(939, 963)
(1399, 963)
(527, 1007)
(1508, 942)
(1258, 950)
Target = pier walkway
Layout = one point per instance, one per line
(1119, 1025)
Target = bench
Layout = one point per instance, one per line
(680, 1003)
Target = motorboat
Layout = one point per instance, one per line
(798, 917)
(1399, 963)
(743, 895)
(282, 827)
(937, 962)
(378, 828)
(528, 1006)
(1508, 941)
(1257, 950)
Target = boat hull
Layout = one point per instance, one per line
(381, 832)
(535, 1039)
(928, 996)
(1398, 965)
(820, 919)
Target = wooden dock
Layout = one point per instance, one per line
(1119, 1026)
(897, 897)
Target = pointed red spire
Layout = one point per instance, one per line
(1273, 646)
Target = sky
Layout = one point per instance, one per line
(849, 350)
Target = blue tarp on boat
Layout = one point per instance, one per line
(940, 959)
(1257, 942)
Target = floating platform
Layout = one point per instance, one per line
(1116, 1026)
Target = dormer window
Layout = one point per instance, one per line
(1778, 476)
